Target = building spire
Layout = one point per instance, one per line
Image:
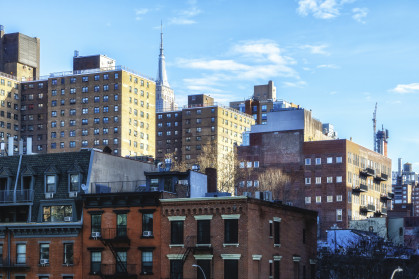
(161, 75)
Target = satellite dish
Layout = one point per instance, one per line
(84, 188)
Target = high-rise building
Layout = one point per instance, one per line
(96, 105)
(165, 98)
(200, 126)
(9, 108)
(19, 55)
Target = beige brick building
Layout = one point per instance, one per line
(101, 107)
(9, 108)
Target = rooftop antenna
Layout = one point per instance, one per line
(374, 122)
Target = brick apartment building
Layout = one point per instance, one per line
(9, 108)
(344, 181)
(340, 179)
(236, 237)
(41, 209)
(121, 235)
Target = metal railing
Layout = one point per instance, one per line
(120, 232)
(118, 186)
(120, 268)
(371, 207)
(18, 196)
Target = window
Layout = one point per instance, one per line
(50, 183)
(176, 232)
(84, 122)
(307, 161)
(339, 215)
(73, 80)
(95, 262)
(56, 213)
(68, 253)
(231, 231)
(20, 253)
(97, 77)
(256, 164)
(231, 269)
(318, 180)
(338, 179)
(44, 253)
(329, 160)
(307, 200)
(74, 182)
(203, 232)
(121, 265)
(277, 231)
(85, 79)
(96, 224)
(318, 161)
(329, 198)
(121, 225)
(308, 180)
(72, 144)
(105, 77)
(338, 160)
(176, 269)
(146, 262)
(339, 198)
(330, 179)
(96, 88)
(147, 224)
(318, 199)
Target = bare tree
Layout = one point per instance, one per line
(274, 180)
(177, 165)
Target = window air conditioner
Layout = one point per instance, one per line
(147, 233)
(49, 195)
(44, 261)
(73, 194)
(68, 219)
(96, 234)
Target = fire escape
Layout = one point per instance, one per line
(112, 238)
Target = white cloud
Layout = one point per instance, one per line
(327, 66)
(323, 9)
(316, 49)
(359, 14)
(140, 12)
(406, 88)
(185, 17)
(298, 84)
(252, 60)
(328, 9)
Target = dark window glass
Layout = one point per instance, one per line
(96, 223)
(176, 269)
(68, 253)
(276, 269)
(95, 262)
(147, 262)
(147, 224)
(121, 225)
(203, 236)
(206, 268)
(176, 232)
(231, 269)
(231, 231)
(277, 233)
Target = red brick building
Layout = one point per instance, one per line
(236, 237)
(121, 235)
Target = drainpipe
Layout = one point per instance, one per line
(17, 178)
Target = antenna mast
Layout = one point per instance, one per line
(374, 122)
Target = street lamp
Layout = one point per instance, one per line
(398, 269)
(203, 273)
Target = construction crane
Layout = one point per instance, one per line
(374, 123)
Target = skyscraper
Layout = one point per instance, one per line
(165, 97)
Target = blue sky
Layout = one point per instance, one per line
(336, 57)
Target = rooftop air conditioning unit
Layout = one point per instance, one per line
(44, 261)
(73, 194)
(68, 219)
(154, 189)
(49, 195)
(147, 233)
(96, 234)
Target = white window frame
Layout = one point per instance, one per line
(330, 160)
(339, 215)
(339, 160)
(338, 198)
(308, 180)
(318, 180)
(329, 198)
(338, 179)
(318, 199)
(330, 179)
(307, 200)
(307, 161)
(318, 161)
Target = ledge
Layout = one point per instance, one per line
(230, 244)
(176, 245)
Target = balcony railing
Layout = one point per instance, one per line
(19, 196)
(367, 172)
(384, 210)
(361, 188)
(118, 269)
(117, 186)
(386, 197)
(115, 234)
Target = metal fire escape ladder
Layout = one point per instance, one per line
(108, 243)
(189, 246)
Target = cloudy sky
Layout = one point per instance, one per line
(335, 57)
